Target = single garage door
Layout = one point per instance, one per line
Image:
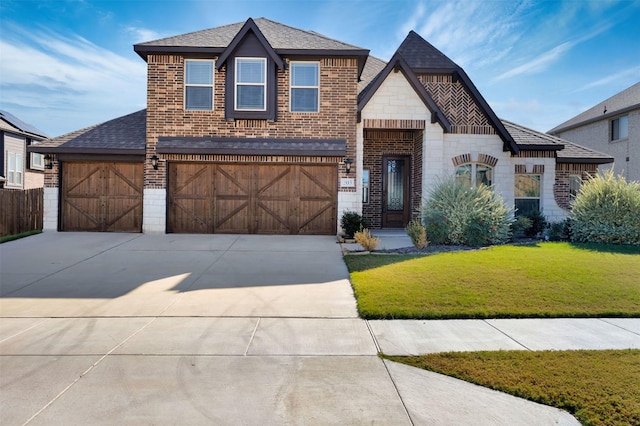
(252, 198)
(102, 196)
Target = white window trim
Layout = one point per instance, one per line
(15, 171)
(212, 85)
(291, 87)
(366, 189)
(236, 84)
(37, 165)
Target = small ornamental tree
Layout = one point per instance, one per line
(607, 210)
(458, 214)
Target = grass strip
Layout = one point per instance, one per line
(12, 237)
(597, 387)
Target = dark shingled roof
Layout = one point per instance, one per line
(126, 134)
(279, 36)
(372, 68)
(423, 57)
(21, 125)
(567, 152)
(626, 100)
(253, 146)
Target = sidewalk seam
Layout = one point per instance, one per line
(515, 340)
(87, 371)
(255, 329)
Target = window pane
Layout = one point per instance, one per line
(304, 100)
(365, 186)
(250, 71)
(484, 175)
(250, 97)
(463, 174)
(624, 127)
(199, 98)
(199, 72)
(304, 74)
(525, 206)
(395, 185)
(527, 186)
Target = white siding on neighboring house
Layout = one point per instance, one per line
(14, 157)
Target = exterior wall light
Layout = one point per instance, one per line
(154, 162)
(347, 165)
(48, 162)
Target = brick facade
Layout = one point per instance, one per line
(381, 143)
(166, 115)
(563, 173)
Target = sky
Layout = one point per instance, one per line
(69, 64)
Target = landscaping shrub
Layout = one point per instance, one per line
(559, 231)
(460, 215)
(607, 210)
(351, 222)
(538, 223)
(519, 226)
(418, 234)
(366, 240)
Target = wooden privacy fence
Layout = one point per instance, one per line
(20, 211)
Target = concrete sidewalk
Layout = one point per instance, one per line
(185, 329)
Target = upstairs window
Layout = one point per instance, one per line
(305, 87)
(251, 84)
(474, 175)
(620, 128)
(37, 161)
(198, 91)
(14, 168)
(527, 193)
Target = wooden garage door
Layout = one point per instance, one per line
(102, 196)
(253, 199)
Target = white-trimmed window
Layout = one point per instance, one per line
(198, 85)
(37, 161)
(305, 86)
(14, 168)
(251, 84)
(527, 193)
(365, 186)
(620, 128)
(474, 174)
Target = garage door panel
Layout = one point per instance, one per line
(255, 198)
(102, 196)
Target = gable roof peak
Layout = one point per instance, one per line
(250, 26)
(422, 56)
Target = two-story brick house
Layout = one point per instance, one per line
(258, 127)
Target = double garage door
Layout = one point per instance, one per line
(252, 198)
(101, 196)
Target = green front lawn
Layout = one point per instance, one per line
(598, 387)
(539, 280)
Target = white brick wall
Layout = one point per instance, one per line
(395, 99)
(50, 207)
(154, 216)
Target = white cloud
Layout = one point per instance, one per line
(632, 74)
(141, 35)
(77, 82)
(538, 64)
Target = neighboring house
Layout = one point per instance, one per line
(613, 127)
(258, 127)
(19, 169)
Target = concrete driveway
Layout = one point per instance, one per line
(199, 329)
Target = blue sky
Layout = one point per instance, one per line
(68, 64)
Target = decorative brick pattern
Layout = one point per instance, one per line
(538, 169)
(369, 123)
(461, 159)
(487, 159)
(520, 168)
(464, 114)
(535, 154)
(378, 144)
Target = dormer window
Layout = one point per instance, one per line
(198, 85)
(251, 84)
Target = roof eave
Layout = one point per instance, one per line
(606, 116)
(580, 160)
(534, 147)
(509, 144)
(84, 150)
(249, 26)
